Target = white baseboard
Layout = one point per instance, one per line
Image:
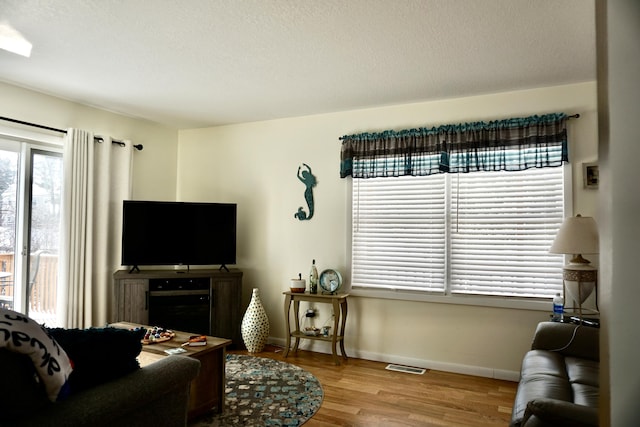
(478, 371)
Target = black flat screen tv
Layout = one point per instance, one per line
(178, 233)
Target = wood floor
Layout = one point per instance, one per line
(363, 393)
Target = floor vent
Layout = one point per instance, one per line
(406, 369)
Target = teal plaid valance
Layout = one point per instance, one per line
(511, 144)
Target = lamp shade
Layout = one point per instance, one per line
(577, 235)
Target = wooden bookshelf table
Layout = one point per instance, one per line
(207, 389)
(339, 304)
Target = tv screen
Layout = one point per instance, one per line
(178, 233)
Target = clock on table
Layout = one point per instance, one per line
(330, 281)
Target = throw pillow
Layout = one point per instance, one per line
(20, 334)
(99, 354)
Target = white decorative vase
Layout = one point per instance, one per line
(255, 324)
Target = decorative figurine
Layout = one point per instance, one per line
(306, 177)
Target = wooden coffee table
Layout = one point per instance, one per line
(207, 389)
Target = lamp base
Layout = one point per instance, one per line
(579, 283)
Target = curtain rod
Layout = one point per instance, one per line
(97, 138)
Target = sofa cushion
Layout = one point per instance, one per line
(583, 371)
(20, 334)
(99, 354)
(568, 339)
(586, 395)
(541, 362)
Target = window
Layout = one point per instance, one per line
(30, 201)
(482, 233)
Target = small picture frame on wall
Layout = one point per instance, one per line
(590, 175)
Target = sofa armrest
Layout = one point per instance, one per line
(546, 412)
(157, 394)
(568, 339)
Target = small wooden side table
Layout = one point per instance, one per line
(339, 304)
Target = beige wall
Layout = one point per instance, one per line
(255, 165)
(154, 173)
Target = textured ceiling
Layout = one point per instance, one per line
(201, 63)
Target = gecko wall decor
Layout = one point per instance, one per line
(306, 177)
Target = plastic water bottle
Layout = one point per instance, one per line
(558, 308)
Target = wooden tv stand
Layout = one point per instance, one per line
(131, 298)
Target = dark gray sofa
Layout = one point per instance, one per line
(156, 395)
(559, 380)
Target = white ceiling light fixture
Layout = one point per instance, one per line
(12, 41)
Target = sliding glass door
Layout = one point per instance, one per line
(9, 180)
(30, 202)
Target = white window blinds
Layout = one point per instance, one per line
(502, 227)
(484, 233)
(399, 233)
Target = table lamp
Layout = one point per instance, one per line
(578, 235)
